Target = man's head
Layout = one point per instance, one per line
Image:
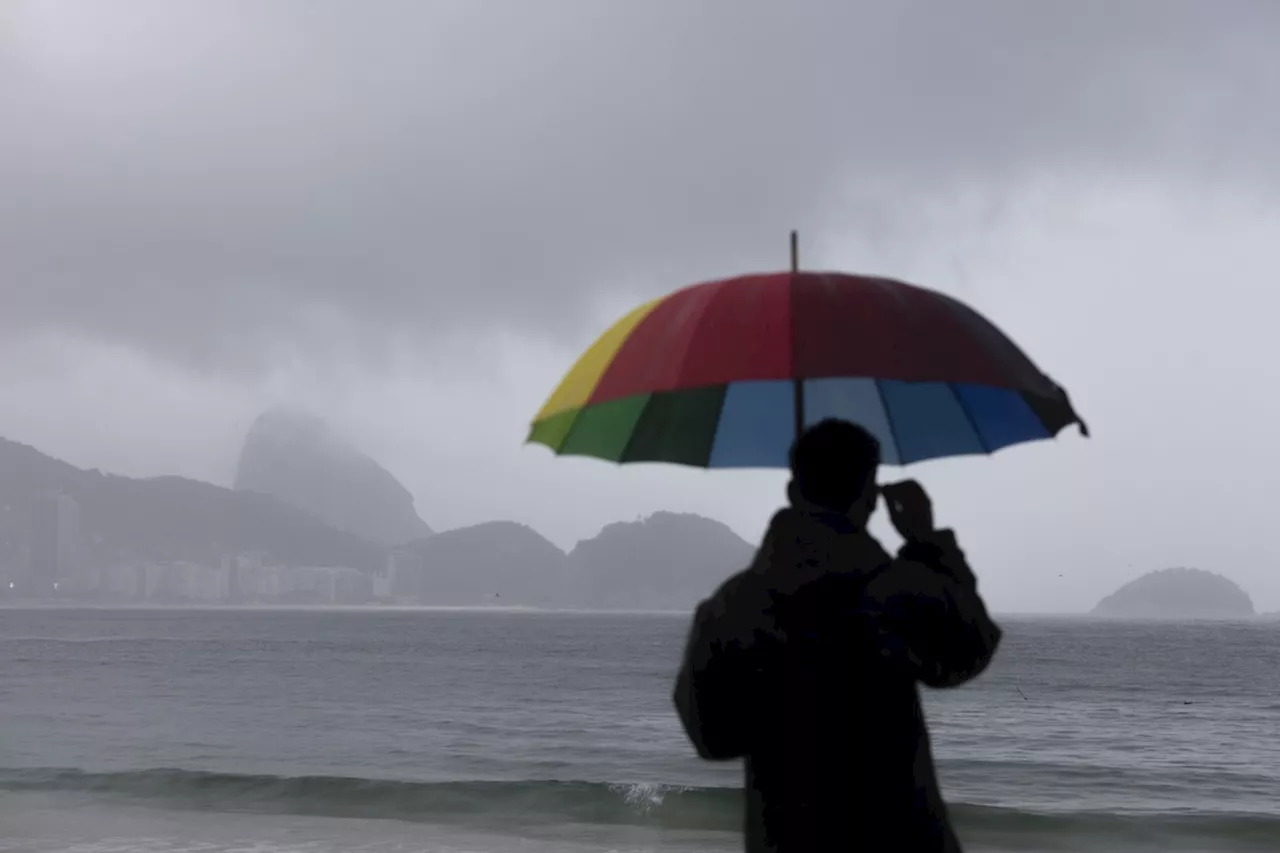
(833, 466)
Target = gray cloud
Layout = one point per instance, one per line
(228, 184)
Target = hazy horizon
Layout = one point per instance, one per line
(92, 602)
(569, 611)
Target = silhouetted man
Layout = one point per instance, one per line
(806, 664)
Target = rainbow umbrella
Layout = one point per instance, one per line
(726, 373)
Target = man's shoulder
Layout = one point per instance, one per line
(746, 581)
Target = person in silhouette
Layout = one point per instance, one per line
(807, 663)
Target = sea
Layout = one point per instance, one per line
(501, 731)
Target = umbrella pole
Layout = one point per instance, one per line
(797, 384)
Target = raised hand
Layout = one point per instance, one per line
(910, 509)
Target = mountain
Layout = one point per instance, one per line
(165, 518)
(1177, 594)
(668, 561)
(497, 563)
(298, 459)
(665, 562)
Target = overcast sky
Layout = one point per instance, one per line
(410, 217)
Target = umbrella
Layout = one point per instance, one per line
(725, 374)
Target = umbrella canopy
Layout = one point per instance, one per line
(724, 374)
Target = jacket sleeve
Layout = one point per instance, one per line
(721, 681)
(930, 615)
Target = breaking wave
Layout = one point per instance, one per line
(495, 805)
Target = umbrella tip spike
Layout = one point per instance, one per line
(795, 251)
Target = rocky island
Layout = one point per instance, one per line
(1177, 594)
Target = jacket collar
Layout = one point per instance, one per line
(799, 534)
(795, 520)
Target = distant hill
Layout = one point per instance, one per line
(165, 518)
(497, 563)
(667, 561)
(1177, 594)
(298, 459)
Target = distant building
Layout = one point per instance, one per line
(260, 583)
(155, 580)
(352, 586)
(122, 582)
(228, 580)
(55, 541)
(308, 584)
(380, 585)
(404, 570)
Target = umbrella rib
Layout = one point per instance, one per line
(973, 425)
(573, 424)
(715, 430)
(888, 419)
(635, 428)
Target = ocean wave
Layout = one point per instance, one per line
(482, 803)
(493, 805)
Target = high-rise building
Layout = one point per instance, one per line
(229, 579)
(55, 541)
(405, 571)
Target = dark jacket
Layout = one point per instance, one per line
(806, 665)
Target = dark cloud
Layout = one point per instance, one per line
(222, 183)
